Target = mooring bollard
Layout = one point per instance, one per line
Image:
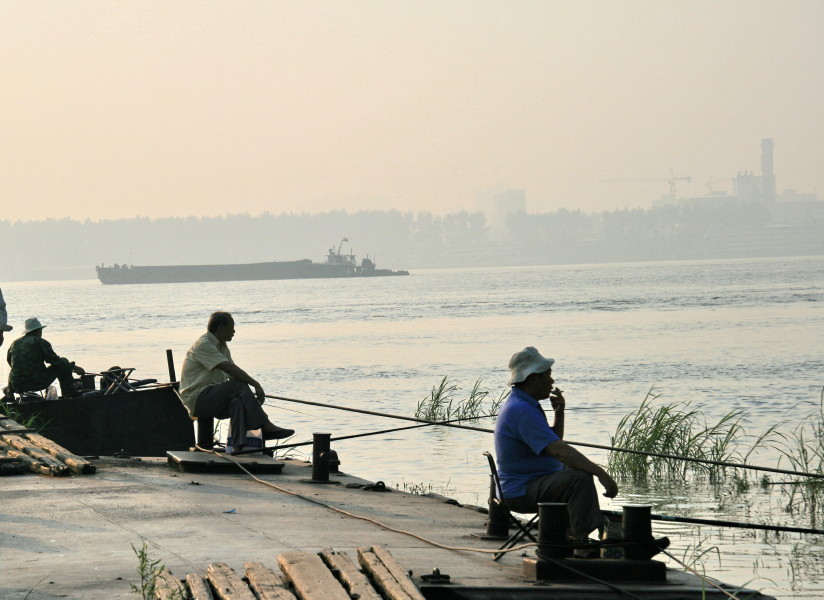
(321, 457)
(636, 528)
(553, 522)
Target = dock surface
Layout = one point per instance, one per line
(75, 537)
(72, 537)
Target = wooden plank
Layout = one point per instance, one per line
(227, 584)
(348, 573)
(310, 577)
(400, 574)
(198, 587)
(381, 576)
(13, 426)
(77, 464)
(265, 583)
(31, 463)
(24, 445)
(169, 587)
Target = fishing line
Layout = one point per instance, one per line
(717, 463)
(717, 523)
(352, 436)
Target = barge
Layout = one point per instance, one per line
(336, 265)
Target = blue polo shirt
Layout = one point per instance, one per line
(521, 434)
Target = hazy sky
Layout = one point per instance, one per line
(171, 108)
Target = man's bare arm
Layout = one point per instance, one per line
(575, 460)
(235, 372)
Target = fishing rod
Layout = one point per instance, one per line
(354, 435)
(718, 463)
(778, 528)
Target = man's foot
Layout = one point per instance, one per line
(238, 450)
(273, 432)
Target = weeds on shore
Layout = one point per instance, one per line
(442, 405)
(677, 430)
(149, 570)
(30, 422)
(804, 450)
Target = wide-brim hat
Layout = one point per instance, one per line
(525, 363)
(32, 324)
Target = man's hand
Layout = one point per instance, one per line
(78, 370)
(557, 400)
(261, 395)
(610, 487)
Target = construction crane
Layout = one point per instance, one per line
(671, 180)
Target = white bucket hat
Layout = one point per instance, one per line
(32, 324)
(525, 363)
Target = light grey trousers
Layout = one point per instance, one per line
(574, 487)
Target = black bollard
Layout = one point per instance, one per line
(636, 528)
(321, 459)
(553, 522)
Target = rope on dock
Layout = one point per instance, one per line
(360, 517)
(717, 463)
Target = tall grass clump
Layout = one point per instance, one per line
(678, 430)
(442, 403)
(803, 449)
(30, 422)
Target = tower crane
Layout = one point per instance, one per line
(671, 180)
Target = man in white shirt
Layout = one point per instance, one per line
(212, 385)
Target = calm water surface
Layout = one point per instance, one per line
(723, 335)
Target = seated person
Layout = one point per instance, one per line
(534, 463)
(27, 357)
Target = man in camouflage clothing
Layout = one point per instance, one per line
(27, 357)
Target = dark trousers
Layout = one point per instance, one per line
(61, 371)
(574, 487)
(234, 400)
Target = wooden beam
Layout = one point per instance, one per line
(348, 573)
(400, 574)
(169, 587)
(76, 463)
(310, 577)
(198, 587)
(265, 583)
(381, 576)
(32, 464)
(388, 574)
(227, 584)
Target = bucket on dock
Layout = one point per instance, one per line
(254, 439)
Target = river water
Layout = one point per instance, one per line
(722, 335)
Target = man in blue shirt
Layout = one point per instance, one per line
(534, 463)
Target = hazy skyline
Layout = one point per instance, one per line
(158, 108)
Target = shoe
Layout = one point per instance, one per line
(277, 433)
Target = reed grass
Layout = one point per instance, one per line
(442, 403)
(803, 449)
(677, 429)
(30, 422)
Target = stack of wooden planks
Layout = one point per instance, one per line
(23, 449)
(328, 575)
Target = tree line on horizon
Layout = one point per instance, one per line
(54, 249)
